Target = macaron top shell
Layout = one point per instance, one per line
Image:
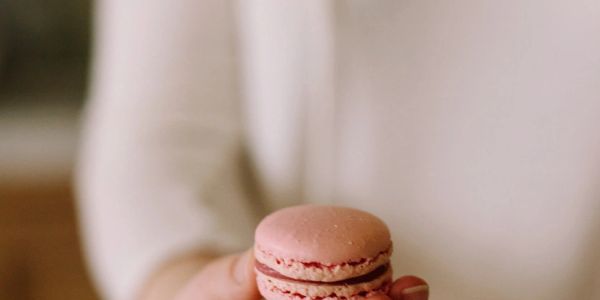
(327, 235)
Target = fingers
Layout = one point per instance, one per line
(409, 288)
(230, 277)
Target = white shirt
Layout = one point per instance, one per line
(470, 127)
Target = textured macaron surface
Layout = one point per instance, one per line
(322, 252)
(327, 235)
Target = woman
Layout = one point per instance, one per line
(470, 127)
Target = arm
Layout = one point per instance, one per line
(158, 167)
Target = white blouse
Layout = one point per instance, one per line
(471, 127)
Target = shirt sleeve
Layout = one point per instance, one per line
(158, 171)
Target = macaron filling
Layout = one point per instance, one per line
(376, 273)
(321, 271)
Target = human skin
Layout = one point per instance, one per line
(232, 277)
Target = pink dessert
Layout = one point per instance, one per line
(315, 252)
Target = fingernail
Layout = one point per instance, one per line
(420, 292)
(241, 268)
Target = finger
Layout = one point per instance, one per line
(230, 277)
(409, 288)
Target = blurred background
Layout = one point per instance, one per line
(44, 53)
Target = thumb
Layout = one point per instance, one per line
(229, 277)
(410, 288)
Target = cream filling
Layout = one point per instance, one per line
(307, 271)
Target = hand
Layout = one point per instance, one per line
(232, 277)
(226, 278)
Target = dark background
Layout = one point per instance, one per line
(44, 54)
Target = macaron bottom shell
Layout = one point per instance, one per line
(281, 289)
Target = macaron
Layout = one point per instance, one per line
(317, 252)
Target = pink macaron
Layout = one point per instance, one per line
(315, 252)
